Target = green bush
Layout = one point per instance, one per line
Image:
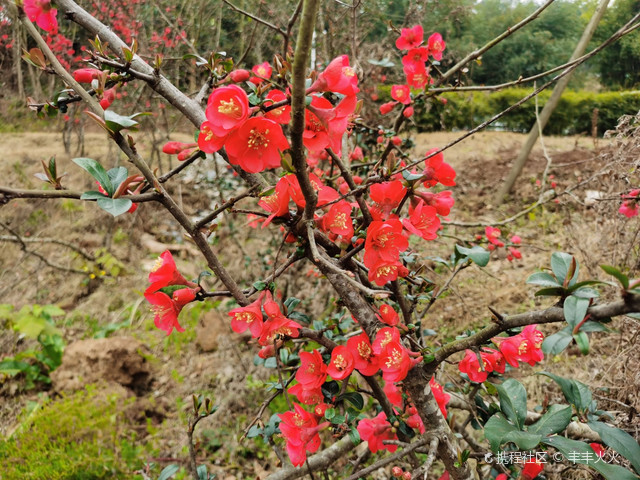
(573, 115)
(79, 437)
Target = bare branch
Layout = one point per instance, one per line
(387, 460)
(256, 18)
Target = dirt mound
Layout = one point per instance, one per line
(116, 360)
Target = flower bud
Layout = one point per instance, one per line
(239, 75)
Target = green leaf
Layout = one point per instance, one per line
(168, 472)
(574, 310)
(477, 254)
(354, 399)
(117, 175)
(523, 440)
(329, 413)
(202, 472)
(97, 171)
(555, 420)
(53, 310)
(496, 428)
(621, 277)
(115, 206)
(92, 195)
(580, 452)
(582, 339)
(543, 279)
(116, 122)
(513, 401)
(33, 326)
(561, 264)
(586, 293)
(13, 367)
(550, 292)
(556, 343)
(620, 441)
(593, 327)
(354, 436)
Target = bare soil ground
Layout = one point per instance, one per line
(594, 232)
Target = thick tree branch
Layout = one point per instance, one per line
(298, 103)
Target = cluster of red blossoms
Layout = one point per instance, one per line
(414, 66)
(168, 293)
(41, 12)
(493, 236)
(524, 347)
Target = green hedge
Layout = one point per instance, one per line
(465, 110)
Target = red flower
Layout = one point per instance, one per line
(376, 430)
(384, 337)
(387, 107)
(239, 75)
(401, 93)
(300, 429)
(277, 204)
(439, 394)
(165, 274)
(393, 393)
(388, 315)
(256, 145)
(438, 171)
(408, 112)
(422, 221)
(414, 421)
(597, 449)
(384, 241)
(383, 272)
(531, 470)
(262, 72)
(417, 74)
(85, 75)
(396, 361)
(227, 109)
(312, 372)
(630, 206)
(338, 220)
(277, 324)
(341, 364)
(357, 155)
(496, 359)
(168, 308)
(441, 201)
(338, 77)
(365, 360)
(173, 148)
(471, 366)
(281, 114)
(306, 396)
(387, 195)
(325, 125)
(108, 96)
(410, 38)
(436, 46)
(493, 235)
(41, 12)
(208, 141)
(249, 317)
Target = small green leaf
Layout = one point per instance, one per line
(354, 399)
(620, 441)
(582, 340)
(97, 171)
(115, 206)
(555, 420)
(586, 292)
(168, 472)
(354, 436)
(575, 309)
(513, 401)
(116, 122)
(543, 279)
(92, 195)
(477, 254)
(621, 277)
(562, 265)
(117, 175)
(556, 343)
(550, 292)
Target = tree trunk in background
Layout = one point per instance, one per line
(549, 107)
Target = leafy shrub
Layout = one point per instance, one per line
(573, 115)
